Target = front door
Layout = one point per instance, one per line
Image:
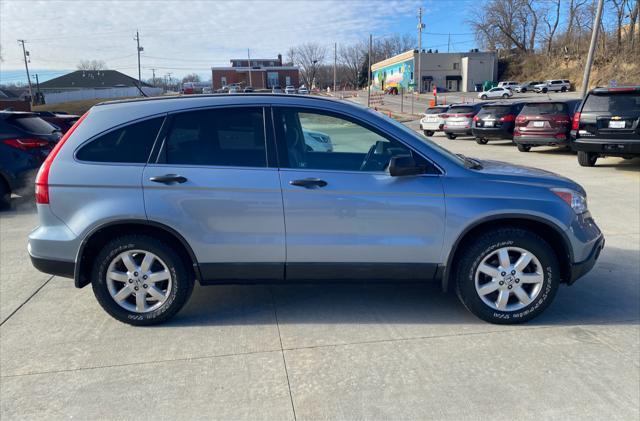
(345, 216)
(213, 186)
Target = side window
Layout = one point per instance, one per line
(223, 137)
(321, 141)
(129, 144)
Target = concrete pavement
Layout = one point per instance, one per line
(331, 351)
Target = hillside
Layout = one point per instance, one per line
(624, 70)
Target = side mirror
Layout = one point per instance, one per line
(402, 165)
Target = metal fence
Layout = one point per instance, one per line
(99, 93)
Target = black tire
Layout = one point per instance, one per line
(481, 141)
(563, 89)
(5, 195)
(483, 97)
(523, 90)
(486, 244)
(544, 90)
(587, 159)
(505, 96)
(524, 148)
(451, 136)
(182, 279)
(429, 132)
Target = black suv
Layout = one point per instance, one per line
(607, 124)
(495, 121)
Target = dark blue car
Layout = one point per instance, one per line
(25, 141)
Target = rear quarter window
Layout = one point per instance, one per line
(613, 103)
(129, 144)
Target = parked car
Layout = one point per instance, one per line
(289, 89)
(209, 199)
(223, 90)
(207, 90)
(544, 123)
(508, 84)
(458, 119)
(607, 123)
(25, 141)
(558, 85)
(317, 141)
(495, 121)
(303, 91)
(248, 89)
(391, 90)
(276, 89)
(500, 92)
(527, 86)
(62, 121)
(234, 89)
(433, 119)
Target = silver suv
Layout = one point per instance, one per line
(143, 198)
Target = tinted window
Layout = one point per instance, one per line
(32, 124)
(545, 108)
(614, 103)
(129, 144)
(346, 145)
(223, 137)
(435, 110)
(461, 110)
(496, 109)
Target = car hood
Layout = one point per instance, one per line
(523, 174)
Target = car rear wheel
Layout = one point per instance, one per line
(523, 90)
(483, 97)
(563, 89)
(524, 148)
(141, 280)
(428, 132)
(587, 159)
(481, 141)
(544, 90)
(505, 96)
(507, 276)
(451, 136)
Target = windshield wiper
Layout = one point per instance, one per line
(474, 164)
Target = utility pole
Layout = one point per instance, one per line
(420, 28)
(153, 78)
(449, 42)
(592, 48)
(369, 73)
(25, 53)
(137, 40)
(249, 63)
(335, 62)
(37, 88)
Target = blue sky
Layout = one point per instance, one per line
(185, 37)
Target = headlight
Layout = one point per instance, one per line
(577, 201)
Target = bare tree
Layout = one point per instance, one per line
(309, 57)
(192, 77)
(92, 65)
(506, 24)
(552, 20)
(634, 10)
(350, 57)
(620, 9)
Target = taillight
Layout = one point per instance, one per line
(576, 122)
(42, 179)
(521, 119)
(469, 115)
(444, 115)
(26, 144)
(475, 118)
(508, 117)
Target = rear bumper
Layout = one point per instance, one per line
(540, 140)
(607, 146)
(580, 269)
(493, 133)
(459, 130)
(432, 126)
(54, 267)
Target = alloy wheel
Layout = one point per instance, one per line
(509, 279)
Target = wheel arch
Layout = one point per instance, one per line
(550, 232)
(99, 236)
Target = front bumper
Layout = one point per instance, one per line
(580, 269)
(607, 146)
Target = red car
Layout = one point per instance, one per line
(63, 121)
(544, 123)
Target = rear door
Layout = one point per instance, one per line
(212, 183)
(346, 217)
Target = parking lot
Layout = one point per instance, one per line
(332, 351)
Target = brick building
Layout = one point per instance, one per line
(262, 74)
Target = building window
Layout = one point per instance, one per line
(223, 80)
(288, 80)
(272, 79)
(455, 66)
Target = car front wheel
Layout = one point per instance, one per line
(507, 276)
(524, 148)
(428, 132)
(505, 96)
(141, 280)
(587, 159)
(483, 97)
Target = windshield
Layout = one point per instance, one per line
(545, 108)
(613, 103)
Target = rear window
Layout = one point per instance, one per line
(129, 144)
(435, 110)
(461, 110)
(224, 137)
(545, 108)
(497, 109)
(31, 124)
(613, 103)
